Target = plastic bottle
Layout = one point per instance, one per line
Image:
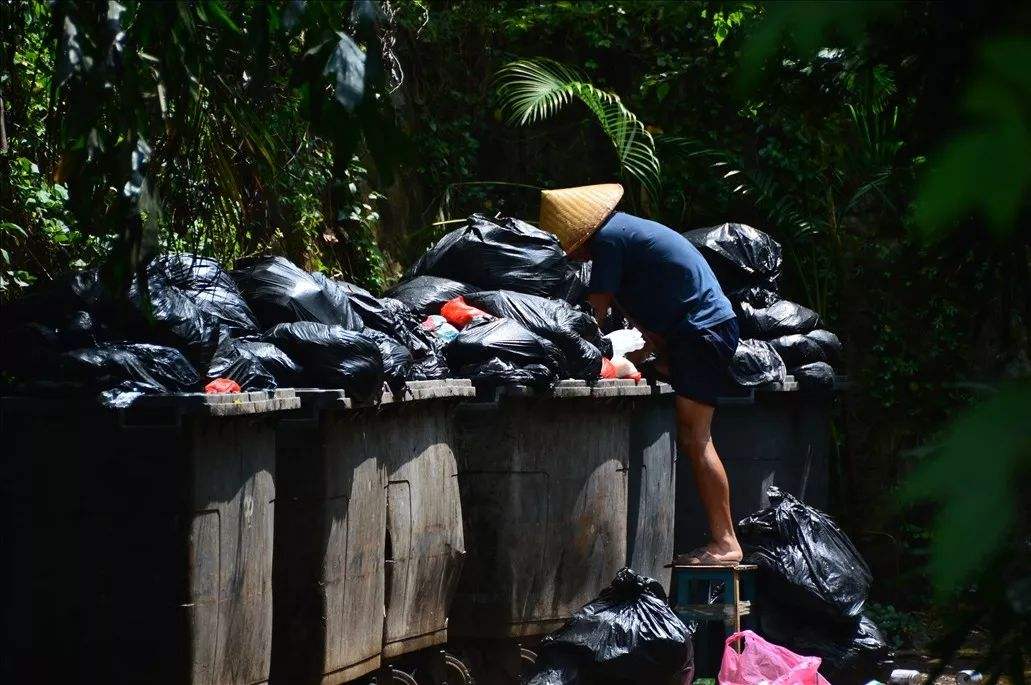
(906, 676)
(968, 677)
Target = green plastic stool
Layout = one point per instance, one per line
(693, 581)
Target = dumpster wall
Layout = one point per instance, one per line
(544, 497)
(145, 543)
(652, 485)
(776, 437)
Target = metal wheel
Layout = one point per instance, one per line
(528, 659)
(457, 672)
(392, 676)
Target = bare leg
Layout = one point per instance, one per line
(694, 420)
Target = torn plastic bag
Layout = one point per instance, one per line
(505, 339)
(815, 376)
(629, 634)
(740, 255)
(805, 560)
(397, 359)
(780, 318)
(123, 371)
(575, 333)
(755, 362)
(501, 254)
(850, 652)
(756, 296)
(279, 291)
(210, 287)
(425, 295)
(442, 332)
(496, 371)
(332, 357)
(460, 314)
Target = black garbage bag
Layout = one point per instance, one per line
(210, 287)
(741, 256)
(805, 560)
(433, 366)
(815, 376)
(278, 291)
(495, 372)
(397, 359)
(755, 362)
(53, 303)
(501, 254)
(780, 318)
(79, 329)
(806, 348)
(480, 341)
(851, 652)
(629, 634)
(120, 372)
(828, 342)
(254, 364)
(757, 296)
(391, 317)
(573, 331)
(425, 295)
(332, 357)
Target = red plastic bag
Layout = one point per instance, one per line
(608, 370)
(764, 662)
(459, 314)
(221, 386)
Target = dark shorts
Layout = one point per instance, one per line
(699, 359)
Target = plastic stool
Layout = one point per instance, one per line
(692, 586)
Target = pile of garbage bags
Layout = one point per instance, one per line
(813, 588)
(778, 337)
(628, 635)
(269, 323)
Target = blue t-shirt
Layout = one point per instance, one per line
(657, 276)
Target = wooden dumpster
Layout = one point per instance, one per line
(424, 535)
(328, 570)
(544, 498)
(140, 540)
(652, 484)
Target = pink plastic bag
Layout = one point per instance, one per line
(764, 663)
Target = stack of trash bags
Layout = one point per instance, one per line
(269, 323)
(813, 585)
(628, 635)
(778, 336)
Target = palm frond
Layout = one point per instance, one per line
(533, 90)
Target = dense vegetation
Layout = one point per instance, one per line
(884, 144)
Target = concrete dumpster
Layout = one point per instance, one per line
(140, 540)
(544, 500)
(775, 434)
(328, 569)
(425, 546)
(652, 484)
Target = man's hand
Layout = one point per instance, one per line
(600, 303)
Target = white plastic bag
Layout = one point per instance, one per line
(625, 341)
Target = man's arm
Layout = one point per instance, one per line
(600, 303)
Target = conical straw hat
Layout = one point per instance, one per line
(574, 214)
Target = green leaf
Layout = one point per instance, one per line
(977, 477)
(346, 69)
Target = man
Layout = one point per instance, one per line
(664, 285)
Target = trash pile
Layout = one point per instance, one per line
(778, 336)
(813, 587)
(492, 301)
(628, 634)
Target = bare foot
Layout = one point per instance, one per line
(714, 554)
